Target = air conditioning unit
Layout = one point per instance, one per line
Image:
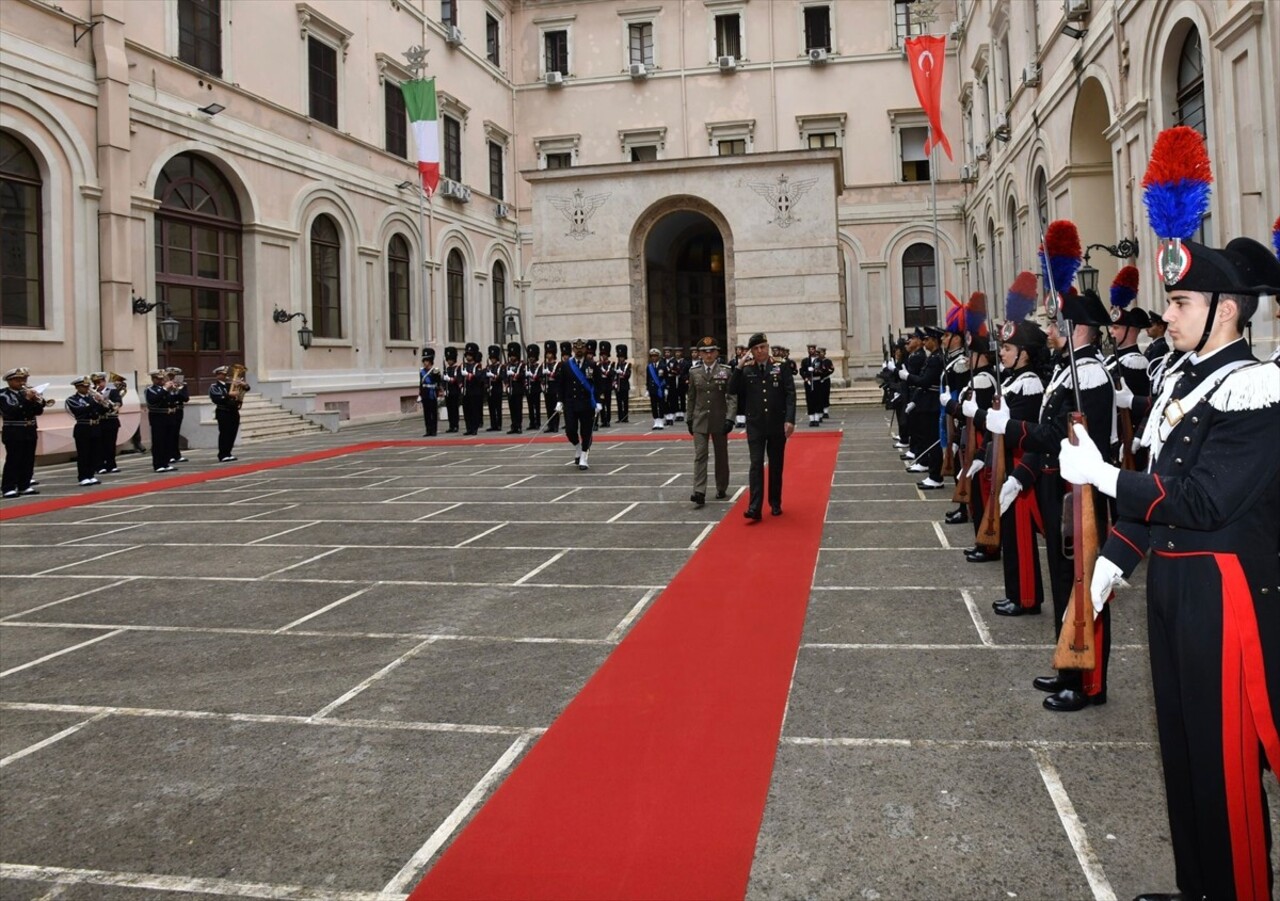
(453, 35)
(1031, 75)
(554, 78)
(727, 63)
(968, 173)
(455, 190)
(502, 211)
(638, 70)
(817, 55)
(1076, 9)
(956, 32)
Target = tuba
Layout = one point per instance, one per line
(121, 383)
(238, 385)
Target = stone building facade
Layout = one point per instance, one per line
(642, 171)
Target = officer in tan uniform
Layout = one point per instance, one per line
(711, 408)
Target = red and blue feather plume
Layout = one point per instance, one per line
(1021, 299)
(1175, 187)
(1275, 236)
(976, 314)
(1125, 287)
(1061, 254)
(954, 322)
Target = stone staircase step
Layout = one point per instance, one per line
(261, 420)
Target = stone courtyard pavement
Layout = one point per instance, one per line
(300, 682)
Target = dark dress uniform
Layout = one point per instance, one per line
(766, 394)
(513, 383)
(622, 384)
(183, 396)
(474, 387)
(922, 388)
(163, 405)
(452, 379)
(550, 371)
(604, 384)
(87, 433)
(494, 387)
(18, 431)
(533, 381)
(109, 424)
(576, 388)
(429, 384)
(227, 414)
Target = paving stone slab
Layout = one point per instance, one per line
(194, 603)
(888, 616)
(907, 491)
(907, 535)
(466, 564)
(518, 510)
(889, 511)
(982, 693)
(293, 675)
(30, 563)
(893, 568)
(668, 536)
(22, 644)
(20, 729)
(89, 891)
(911, 823)
(106, 514)
(380, 535)
(36, 534)
(444, 494)
(629, 567)
(385, 511)
(21, 593)
(480, 682)
(153, 560)
(320, 806)
(504, 611)
(177, 532)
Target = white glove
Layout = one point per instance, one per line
(1106, 576)
(902, 374)
(945, 393)
(599, 407)
(955, 448)
(559, 408)
(888, 363)
(969, 408)
(1124, 397)
(417, 400)
(1136, 447)
(975, 467)
(997, 419)
(1082, 463)
(1009, 492)
(911, 406)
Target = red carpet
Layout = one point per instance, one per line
(652, 782)
(102, 495)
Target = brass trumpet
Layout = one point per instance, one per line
(122, 385)
(36, 394)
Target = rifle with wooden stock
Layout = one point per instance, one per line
(964, 482)
(1076, 648)
(989, 529)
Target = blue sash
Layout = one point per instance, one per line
(591, 392)
(657, 382)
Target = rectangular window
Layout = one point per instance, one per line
(322, 69)
(915, 163)
(735, 147)
(495, 170)
(729, 35)
(559, 160)
(819, 141)
(905, 25)
(491, 40)
(398, 299)
(640, 42)
(452, 148)
(817, 28)
(644, 154)
(397, 127)
(21, 294)
(448, 12)
(200, 34)
(556, 47)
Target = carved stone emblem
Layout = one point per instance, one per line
(783, 196)
(578, 210)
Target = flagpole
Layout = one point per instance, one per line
(426, 224)
(933, 192)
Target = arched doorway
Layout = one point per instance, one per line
(1092, 186)
(199, 268)
(684, 258)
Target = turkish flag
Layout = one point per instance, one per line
(926, 54)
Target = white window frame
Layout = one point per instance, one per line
(173, 41)
(642, 137)
(496, 12)
(558, 23)
(831, 24)
(496, 134)
(821, 123)
(646, 16)
(314, 24)
(898, 120)
(557, 144)
(735, 130)
(716, 8)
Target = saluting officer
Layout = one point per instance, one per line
(429, 384)
(578, 402)
(766, 394)
(622, 383)
(711, 410)
(19, 407)
(87, 409)
(452, 379)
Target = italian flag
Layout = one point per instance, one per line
(420, 102)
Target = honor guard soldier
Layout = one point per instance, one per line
(578, 402)
(982, 392)
(19, 407)
(1077, 325)
(923, 401)
(911, 367)
(533, 382)
(1127, 365)
(806, 376)
(655, 382)
(513, 376)
(429, 385)
(87, 407)
(493, 387)
(474, 388)
(109, 426)
(1159, 345)
(823, 370)
(622, 383)
(227, 398)
(739, 350)
(604, 382)
(162, 399)
(669, 377)
(550, 370)
(183, 395)
(1208, 509)
(451, 377)
(711, 410)
(766, 394)
(682, 384)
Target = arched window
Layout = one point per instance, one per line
(326, 278)
(455, 291)
(1190, 108)
(499, 280)
(919, 286)
(1015, 247)
(995, 264)
(1042, 204)
(21, 239)
(398, 289)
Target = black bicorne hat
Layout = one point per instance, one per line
(1085, 309)
(1259, 268)
(1024, 334)
(1132, 317)
(451, 354)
